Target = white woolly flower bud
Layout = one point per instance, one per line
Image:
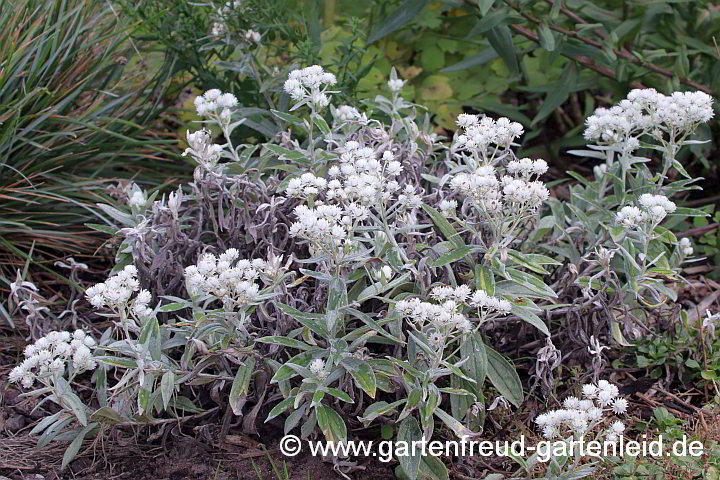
(317, 367)
(396, 85)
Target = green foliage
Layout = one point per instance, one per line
(664, 424)
(691, 349)
(549, 57)
(69, 119)
(555, 61)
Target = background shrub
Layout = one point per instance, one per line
(72, 116)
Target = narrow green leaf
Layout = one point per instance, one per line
(452, 256)
(397, 19)
(444, 226)
(75, 445)
(167, 387)
(473, 61)
(500, 40)
(285, 342)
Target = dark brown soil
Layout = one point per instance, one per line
(185, 458)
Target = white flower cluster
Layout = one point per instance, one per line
(447, 207)
(252, 36)
(485, 137)
(510, 195)
(360, 181)
(580, 416)
(202, 150)
(645, 111)
(136, 197)
(383, 274)
(218, 29)
(116, 293)
(685, 246)
(229, 278)
(215, 103)
(50, 354)
(308, 85)
(653, 209)
(486, 302)
(441, 319)
(477, 299)
(445, 316)
(347, 113)
(526, 167)
(327, 226)
(361, 177)
(305, 186)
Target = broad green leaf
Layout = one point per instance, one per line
(331, 424)
(241, 385)
(378, 409)
(313, 321)
(321, 124)
(280, 408)
(337, 298)
(106, 415)
(432, 468)
(473, 349)
(167, 387)
(285, 372)
(531, 282)
(287, 117)
(150, 336)
(444, 226)
(374, 325)
(546, 38)
(665, 235)
(530, 317)
(458, 428)
(484, 279)
(363, 374)
(116, 361)
(409, 434)
(172, 307)
(504, 377)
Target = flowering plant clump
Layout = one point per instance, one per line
(580, 417)
(360, 270)
(590, 418)
(50, 355)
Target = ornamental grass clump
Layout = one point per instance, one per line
(360, 270)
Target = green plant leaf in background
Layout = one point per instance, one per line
(397, 19)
